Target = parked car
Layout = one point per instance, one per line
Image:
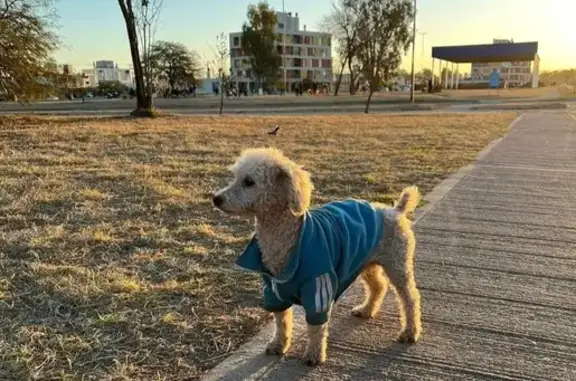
(52, 98)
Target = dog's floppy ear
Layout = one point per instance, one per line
(298, 188)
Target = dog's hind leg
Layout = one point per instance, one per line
(408, 298)
(375, 286)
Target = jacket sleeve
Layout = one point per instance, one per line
(272, 303)
(317, 297)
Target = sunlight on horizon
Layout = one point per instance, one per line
(446, 22)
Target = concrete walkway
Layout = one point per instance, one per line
(496, 264)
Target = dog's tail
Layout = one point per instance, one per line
(408, 201)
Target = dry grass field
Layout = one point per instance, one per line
(115, 266)
(567, 91)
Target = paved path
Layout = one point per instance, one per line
(496, 264)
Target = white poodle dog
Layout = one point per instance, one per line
(310, 257)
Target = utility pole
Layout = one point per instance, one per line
(284, 49)
(423, 34)
(413, 53)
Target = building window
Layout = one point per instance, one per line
(280, 25)
(236, 52)
(236, 41)
(315, 63)
(326, 63)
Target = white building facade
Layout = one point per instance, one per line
(515, 73)
(306, 55)
(106, 71)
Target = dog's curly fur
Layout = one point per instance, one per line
(277, 191)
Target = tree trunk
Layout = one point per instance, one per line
(221, 95)
(339, 80)
(143, 100)
(368, 100)
(352, 86)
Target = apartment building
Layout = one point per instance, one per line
(305, 54)
(104, 71)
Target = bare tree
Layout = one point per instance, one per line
(140, 17)
(222, 53)
(342, 23)
(385, 35)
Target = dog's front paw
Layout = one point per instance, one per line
(408, 336)
(363, 312)
(277, 348)
(315, 355)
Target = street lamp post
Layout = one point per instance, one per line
(413, 53)
(423, 34)
(284, 49)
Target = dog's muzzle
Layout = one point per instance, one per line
(218, 201)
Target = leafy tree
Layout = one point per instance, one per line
(385, 35)
(174, 63)
(26, 45)
(426, 74)
(564, 78)
(140, 16)
(259, 40)
(110, 87)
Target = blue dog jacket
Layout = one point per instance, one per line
(335, 243)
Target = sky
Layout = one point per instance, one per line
(94, 30)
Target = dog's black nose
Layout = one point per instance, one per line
(217, 200)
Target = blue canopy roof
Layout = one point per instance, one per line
(522, 51)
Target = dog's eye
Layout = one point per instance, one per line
(248, 182)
